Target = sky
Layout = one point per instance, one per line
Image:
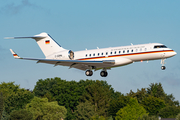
(88, 24)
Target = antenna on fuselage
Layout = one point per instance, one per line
(131, 44)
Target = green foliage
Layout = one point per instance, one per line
(42, 109)
(131, 112)
(97, 117)
(66, 93)
(17, 100)
(146, 117)
(139, 95)
(84, 111)
(156, 90)
(153, 105)
(178, 117)
(169, 112)
(117, 104)
(1, 104)
(70, 93)
(99, 94)
(8, 88)
(21, 115)
(5, 116)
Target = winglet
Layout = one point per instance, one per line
(14, 54)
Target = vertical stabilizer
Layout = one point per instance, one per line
(47, 44)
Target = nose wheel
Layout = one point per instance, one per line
(163, 67)
(89, 72)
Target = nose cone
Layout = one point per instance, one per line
(173, 53)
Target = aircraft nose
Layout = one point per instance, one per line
(175, 53)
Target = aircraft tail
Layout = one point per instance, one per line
(47, 44)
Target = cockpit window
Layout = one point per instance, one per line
(160, 46)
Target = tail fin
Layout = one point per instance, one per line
(47, 44)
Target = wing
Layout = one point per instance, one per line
(79, 64)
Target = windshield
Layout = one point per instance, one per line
(160, 46)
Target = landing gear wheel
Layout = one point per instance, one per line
(163, 67)
(89, 73)
(103, 73)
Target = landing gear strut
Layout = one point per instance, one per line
(89, 72)
(162, 62)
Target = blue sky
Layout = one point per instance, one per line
(80, 24)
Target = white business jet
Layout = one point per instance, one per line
(105, 58)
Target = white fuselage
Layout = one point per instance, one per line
(123, 54)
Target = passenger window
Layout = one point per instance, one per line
(101, 53)
(94, 54)
(115, 52)
(145, 49)
(86, 55)
(119, 52)
(127, 51)
(90, 55)
(106, 53)
(124, 51)
(111, 52)
(98, 54)
(131, 50)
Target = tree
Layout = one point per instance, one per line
(42, 109)
(139, 95)
(84, 111)
(66, 93)
(17, 100)
(156, 90)
(153, 105)
(169, 112)
(21, 115)
(117, 104)
(131, 112)
(1, 104)
(8, 88)
(97, 117)
(146, 117)
(99, 94)
(178, 117)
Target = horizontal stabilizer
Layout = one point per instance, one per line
(33, 37)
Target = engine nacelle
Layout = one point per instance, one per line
(122, 61)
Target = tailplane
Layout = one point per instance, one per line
(47, 44)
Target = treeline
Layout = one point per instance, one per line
(59, 99)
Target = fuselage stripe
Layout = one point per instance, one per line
(130, 54)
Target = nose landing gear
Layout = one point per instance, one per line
(162, 62)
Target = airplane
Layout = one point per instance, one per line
(96, 59)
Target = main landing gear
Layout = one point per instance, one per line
(89, 72)
(162, 62)
(103, 73)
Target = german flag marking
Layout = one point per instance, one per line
(47, 41)
(15, 55)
